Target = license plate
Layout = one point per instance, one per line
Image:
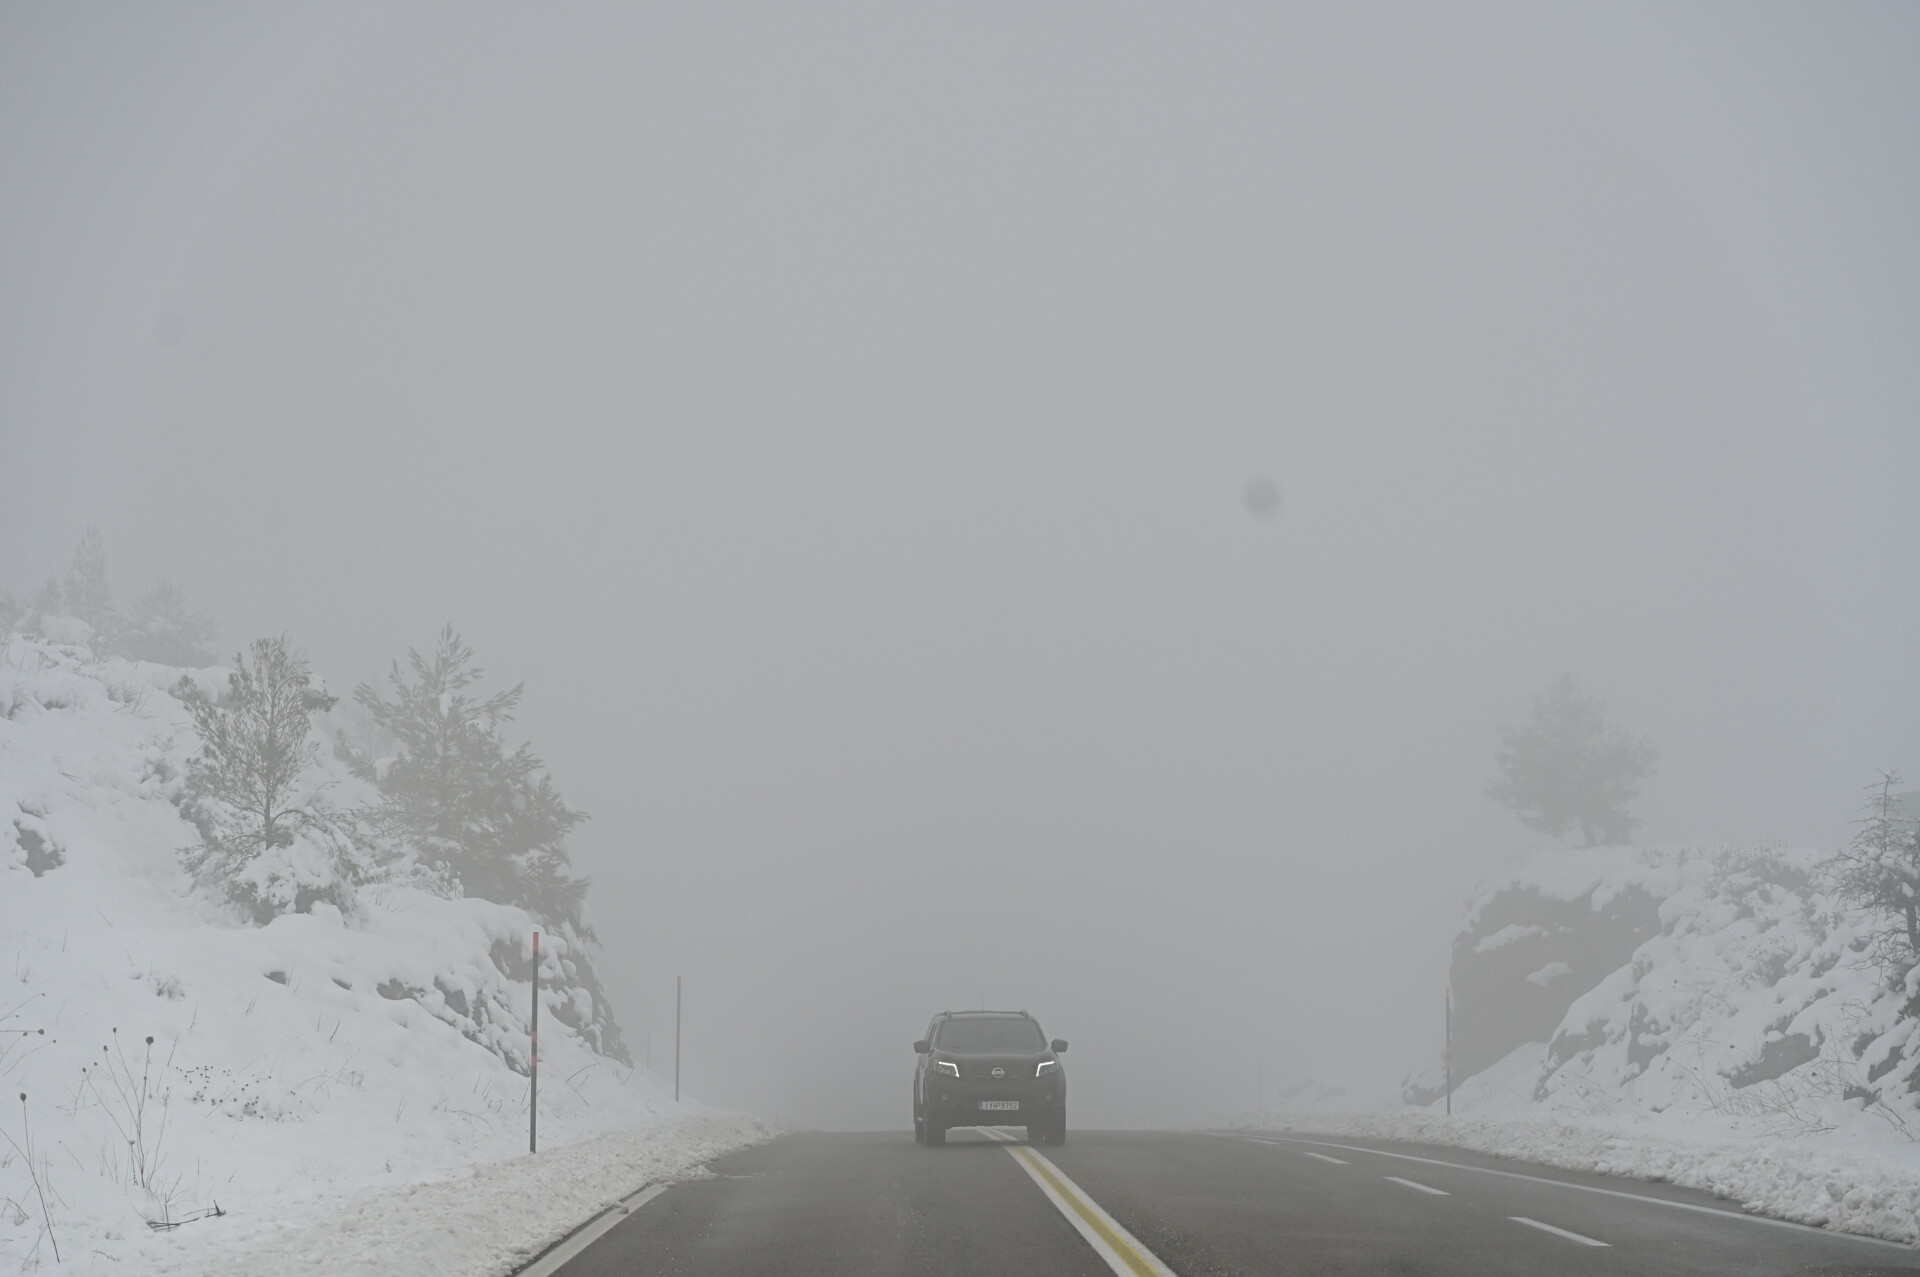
(1000, 1106)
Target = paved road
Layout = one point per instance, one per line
(1147, 1203)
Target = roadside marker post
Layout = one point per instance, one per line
(533, 1069)
(1447, 1053)
(676, 1039)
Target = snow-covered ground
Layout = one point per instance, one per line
(1709, 1018)
(348, 1089)
(485, 1223)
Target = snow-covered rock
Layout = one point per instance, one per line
(1709, 1017)
(1534, 942)
(1719, 980)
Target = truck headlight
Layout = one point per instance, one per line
(1045, 1067)
(947, 1067)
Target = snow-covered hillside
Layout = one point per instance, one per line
(1711, 1017)
(1676, 985)
(192, 1082)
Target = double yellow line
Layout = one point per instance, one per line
(1122, 1251)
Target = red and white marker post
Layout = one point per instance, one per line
(533, 1071)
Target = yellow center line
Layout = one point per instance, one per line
(1120, 1244)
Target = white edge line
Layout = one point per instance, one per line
(1114, 1261)
(1557, 1232)
(1425, 1188)
(1323, 1157)
(1716, 1211)
(590, 1232)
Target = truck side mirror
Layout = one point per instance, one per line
(920, 1047)
(1059, 1044)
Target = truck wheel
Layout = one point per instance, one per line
(936, 1133)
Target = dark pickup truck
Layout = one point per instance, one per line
(988, 1068)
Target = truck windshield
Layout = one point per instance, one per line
(991, 1035)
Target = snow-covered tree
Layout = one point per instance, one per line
(47, 617)
(87, 595)
(164, 629)
(12, 612)
(48, 602)
(455, 791)
(356, 734)
(476, 811)
(1879, 873)
(266, 844)
(1567, 770)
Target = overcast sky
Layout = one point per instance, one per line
(841, 419)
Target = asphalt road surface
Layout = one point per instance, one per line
(1142, 1203)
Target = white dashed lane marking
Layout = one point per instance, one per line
(1557, 1232)
(1642, 1198)
(1570, 1235)
(1425, 1188)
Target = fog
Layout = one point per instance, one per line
(853, 426)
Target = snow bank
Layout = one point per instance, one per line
(484, 1224)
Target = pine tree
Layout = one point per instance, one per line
(1566, 769)
(1879, 873)
(87, 595)
(164, 629)
(46, 615)
(48, 601)
(483, 814)
(457, 793)
(243, 788)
